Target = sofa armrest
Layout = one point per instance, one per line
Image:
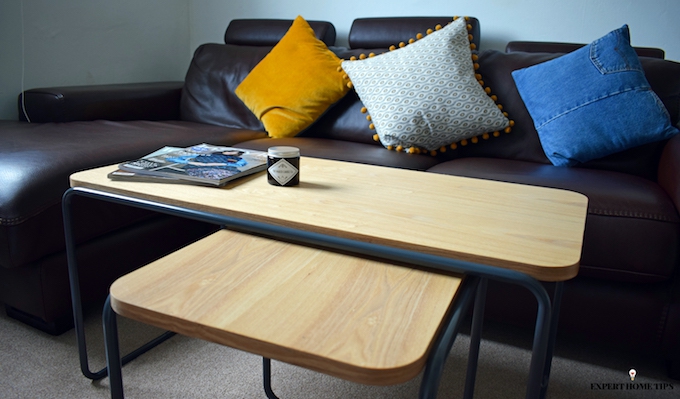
(669, 170)
(117, 102)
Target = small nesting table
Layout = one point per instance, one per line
(361, 320)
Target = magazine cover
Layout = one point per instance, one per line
(202, 163)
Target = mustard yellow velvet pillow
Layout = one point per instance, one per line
(295, 83)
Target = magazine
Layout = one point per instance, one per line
(123, 175)
(202, 163)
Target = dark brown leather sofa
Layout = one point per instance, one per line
(627, 292)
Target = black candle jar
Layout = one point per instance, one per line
(283, 166)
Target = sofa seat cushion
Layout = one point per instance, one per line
(632, 228)
(341, 150)
(37, 159)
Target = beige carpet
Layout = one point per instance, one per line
(36, 365)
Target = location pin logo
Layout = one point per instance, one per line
(632, 374)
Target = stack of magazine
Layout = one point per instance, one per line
(201, 164)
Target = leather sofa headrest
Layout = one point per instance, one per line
(555, 47)
(268, 32)
(384, 32)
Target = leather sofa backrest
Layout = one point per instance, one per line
(555, 47)
(268, 32)
(384, 32)
(344, 119)
(216, 70)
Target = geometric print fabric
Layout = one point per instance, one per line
(425, 95)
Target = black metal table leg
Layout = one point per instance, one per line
(267, 374)
(540, 346)
(442, 346)
(113, 362)
(554, 321)
(76, 302)
(475, 338)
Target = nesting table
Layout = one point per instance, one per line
(361, 272)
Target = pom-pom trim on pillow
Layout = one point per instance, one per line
(487, 90)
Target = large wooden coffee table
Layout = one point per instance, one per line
(510, 232)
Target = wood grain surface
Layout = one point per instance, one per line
(535, 230)
(357, 319)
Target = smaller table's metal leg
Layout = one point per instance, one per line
(267, 374)
(554, 321)
(443, 344)
(475, 338)
(113, 361)
(540, 347)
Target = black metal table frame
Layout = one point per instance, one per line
(473, 289)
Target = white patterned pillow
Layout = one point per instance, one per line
(426, 95)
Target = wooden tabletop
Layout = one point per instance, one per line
(357, 319)
(535, 230)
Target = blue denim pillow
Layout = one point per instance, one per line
(593, 102)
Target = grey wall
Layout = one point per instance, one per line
(78, 42)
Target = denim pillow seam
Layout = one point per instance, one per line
(587, 103)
